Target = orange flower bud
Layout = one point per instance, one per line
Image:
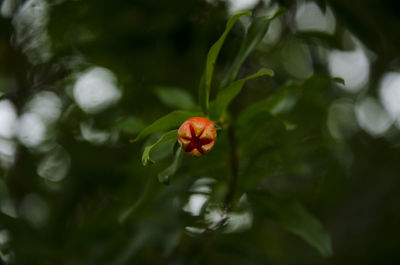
(197, 136)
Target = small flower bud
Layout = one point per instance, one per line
(197, 136)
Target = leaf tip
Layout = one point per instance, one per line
(244, 12)
(339, 80)
(136, 139)
(271, 73)
(266, 71)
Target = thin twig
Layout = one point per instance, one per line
(145, 194)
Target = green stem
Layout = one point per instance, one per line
(131, 210)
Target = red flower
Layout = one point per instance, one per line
(197, 136)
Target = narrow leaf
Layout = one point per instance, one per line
(130, 125)
(175, 97)
(171, 120)
(255, 33)
(264, 106)
(167, 173)
(205, 83)
(294, 218)
(332, 41)
(146, 160)
(225, 96)
(271, 104)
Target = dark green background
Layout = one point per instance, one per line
(351, 185)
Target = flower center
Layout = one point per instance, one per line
(195, 141)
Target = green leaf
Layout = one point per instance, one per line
(266, 105)
(293, 217)
(274, 102)
(318, 82)
(175, 97)
(333, 41)
(225, 96)
(146, 160)
(255, 33)
(165, 175)
(205, 82)
(171, 120)
(130, 125)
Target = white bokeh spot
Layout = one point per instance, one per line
(390, 95)
(96, 90)
(372, 117)
(31, 130)
(309, 17)
(352, 66)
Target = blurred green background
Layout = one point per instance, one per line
(319, 175)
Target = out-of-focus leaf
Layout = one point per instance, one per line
(171, 120)
(273, 102)
(266, 105)
(165, 175)
(205, 83)
(316, 87)
(171, 135)
(339, 80)
(255, 33)
(317, 81)
(225, 96)
(288, 125)
(332, 41)
(175, 97)
(293, 217)
(131, 125)
(322, 5)
(144, 236)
